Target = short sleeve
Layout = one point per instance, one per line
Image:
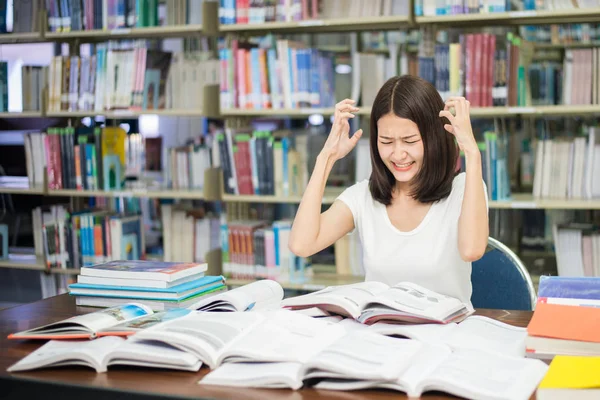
(354, 198)
(458, 192)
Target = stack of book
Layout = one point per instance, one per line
(158, 285)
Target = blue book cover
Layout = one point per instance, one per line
(569, 287)
(197, 283)
(126, 295)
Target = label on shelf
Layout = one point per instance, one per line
(523, 204)
(311, 22)
(524, 13)
(521, 110)
(122, 194)
(120, 31)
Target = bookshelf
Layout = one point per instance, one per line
(512, 18)
(155, 32)
(380, 23)
(136, 193)
(30, 262)
(22, 114)
(477, 112)
(27, 37)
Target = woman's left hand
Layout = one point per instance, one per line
(460, 122)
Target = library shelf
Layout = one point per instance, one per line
(25, 37)
(23, 261)
(21, 114)
(14, 189)
(476, 112)
(527, 201)
(321, 25)
(146, 193)
(125, 113)
(561, 46)
(159, 32)
(328, 198)
(526, 17)
(310, 283)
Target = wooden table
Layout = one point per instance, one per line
(130, 383)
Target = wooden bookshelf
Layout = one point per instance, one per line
(476, 112)
(329, 197)
(527, 201)
(311, 283)
(561, 46)
(13, 189)
(26, 37)
(21, 114)
(98, 35)
(147, 193)
(512, 18)
(125, 113)
(23, 261)
(322, 25)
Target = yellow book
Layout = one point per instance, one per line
(571, 377)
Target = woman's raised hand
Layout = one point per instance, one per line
(339, 143)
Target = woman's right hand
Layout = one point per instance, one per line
(339, 143)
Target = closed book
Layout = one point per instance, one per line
(178, 292)
(154, 270)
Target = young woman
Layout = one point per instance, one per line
(418, 220)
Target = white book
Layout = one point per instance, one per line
(475, 332)
(362, 360)
(370, 302)
(102, 353)
(259, 295)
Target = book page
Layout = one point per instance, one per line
(428, 333)
(412, 299)
(476, 374)
(283, 336)
(482, 333)
(59, 352)
(364, 355)
(257, 295)
(256, 375)
(152, 354)
(201, 333)
(94, 321)
(345, 299)
(139, 324)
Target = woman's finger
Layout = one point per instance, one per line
(447, 114)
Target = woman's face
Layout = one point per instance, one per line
(400, 146)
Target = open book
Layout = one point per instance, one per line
(101, 353)
(370, 302)
(475, 332)
(361, 360)
(271, 336)
(259, 295)
(86, 326)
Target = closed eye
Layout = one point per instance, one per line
(385, 142)
(414, 141)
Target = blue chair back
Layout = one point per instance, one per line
(501, 281)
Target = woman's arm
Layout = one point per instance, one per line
(473, 224)
(312, 231)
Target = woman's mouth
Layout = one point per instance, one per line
(402, 167)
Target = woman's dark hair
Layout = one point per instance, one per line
(415, 99)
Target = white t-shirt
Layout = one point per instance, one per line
(428, 255)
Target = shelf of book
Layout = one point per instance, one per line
(21, 114)
(380, 23)
(23, 261)
(329, 197)
(526, 17)
(146, 193)
(125, 113)
(26, 37)
(527, 201)
(560, 46)
(159, 32)
(13, 189)
(311, 283)
(540, 111)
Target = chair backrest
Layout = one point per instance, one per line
(501, 281)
